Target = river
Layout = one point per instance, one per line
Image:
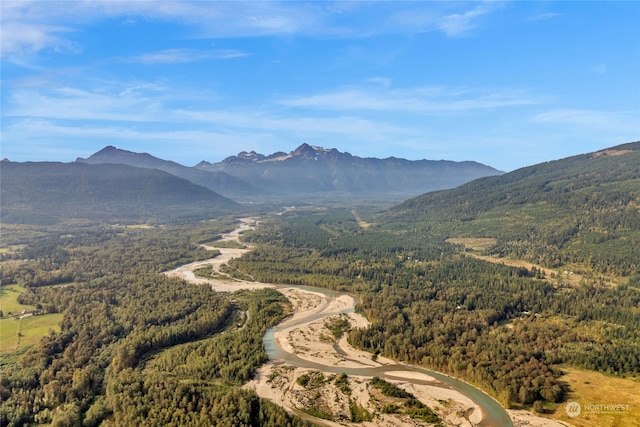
(493, 414)
(322, 304)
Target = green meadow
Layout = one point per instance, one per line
(15, 333)
(9, 300)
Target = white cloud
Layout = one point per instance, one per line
(589, 120)
(24, 39)
(543, 16)
(460, 23)
(453, 18)
(307, 126)
(139, 112)
(173, 56)
(65, 142)
(225, 133)
(346, 111)
(420, 100)
(382, 81)
(69, 103)
(33, 26)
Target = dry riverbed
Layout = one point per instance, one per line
(305, 335)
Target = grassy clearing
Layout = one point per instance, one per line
(136, 226)
(361, 223)
(31, 329)
(564, 275)
(591, 389)
(474, 243)
(9, 300)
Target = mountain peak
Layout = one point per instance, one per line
(313, 151)
(312, 169)
(304, 151)
(110, 154)
(110, 149)
(251, 155)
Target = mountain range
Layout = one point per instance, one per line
(120, 185)
(309, 171)
(547, 213)
(46, 193)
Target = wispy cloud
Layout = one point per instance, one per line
(174, 56)
(301, 125)
(34, 26)
(382, 81)
(457, 24)
(615, 121)
(50, 138)
(25, 39)
(421, 100)
(455, 19)
(543, 16)
(69, 103)
(141, 106)
(209, 135)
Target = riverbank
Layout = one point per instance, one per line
(321, 375)
(223, 282)
(306, 336)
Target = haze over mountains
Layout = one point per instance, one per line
(215, 181)
(561, 203)
(48, 192)
(309, 171)
(120, 185)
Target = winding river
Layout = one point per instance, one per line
(493, 414)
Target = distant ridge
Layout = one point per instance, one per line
(219, 182)
(317, 170)
(46, 193)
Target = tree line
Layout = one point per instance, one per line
(136, 347)
(503, 328)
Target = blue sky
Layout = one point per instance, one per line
(508, 84)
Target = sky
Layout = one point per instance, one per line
(505, 83)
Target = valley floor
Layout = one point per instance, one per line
(306, 338)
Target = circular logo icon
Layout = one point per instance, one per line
(573, 409)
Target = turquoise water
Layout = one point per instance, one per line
(494, 415)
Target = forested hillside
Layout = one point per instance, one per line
(582, 212)
(48, 193)
(504, 328)
(138, 348)
(119, 357)
(219, 182)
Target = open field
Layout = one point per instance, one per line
(32, 329)
(473, 243)
(9, 300)
(604, 400)
(361, 223)
(479, 244)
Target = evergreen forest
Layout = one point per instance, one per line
(502, 282)
(134, 347)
